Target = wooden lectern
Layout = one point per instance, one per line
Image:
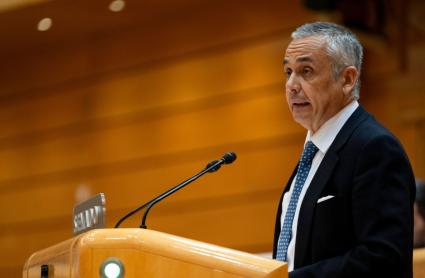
(419, 263)
(146, 253)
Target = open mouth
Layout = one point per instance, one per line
(301, 104)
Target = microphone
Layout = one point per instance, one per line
(213, 166)
(227, 158)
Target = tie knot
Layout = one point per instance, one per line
(309, 152)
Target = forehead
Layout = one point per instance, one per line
(308, 49)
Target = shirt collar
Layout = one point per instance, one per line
(327, 133)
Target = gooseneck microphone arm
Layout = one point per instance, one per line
(211, 167)
(130, 214)
(176, 188)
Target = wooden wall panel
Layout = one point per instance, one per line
(158, 137)
(147, 180)
(143, 91)
(75, 51)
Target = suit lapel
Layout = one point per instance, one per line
(318, 182)
(308, 205)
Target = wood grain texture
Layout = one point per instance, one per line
(149, 253)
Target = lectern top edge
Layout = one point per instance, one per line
(148, 253)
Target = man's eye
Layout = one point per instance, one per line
(307, 71)
(288, 72)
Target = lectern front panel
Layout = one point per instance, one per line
(145, 253)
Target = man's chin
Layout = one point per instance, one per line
(303, 121)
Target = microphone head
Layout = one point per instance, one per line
(229, 157)
(213, 169)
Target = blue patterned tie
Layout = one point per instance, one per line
(302, 173)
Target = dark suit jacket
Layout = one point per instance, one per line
(366, 230)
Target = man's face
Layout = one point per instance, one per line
(312, 93)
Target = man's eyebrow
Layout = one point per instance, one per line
(304, 59)
(299, 60)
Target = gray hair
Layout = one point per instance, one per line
(342, 46)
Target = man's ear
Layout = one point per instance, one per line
(350, 76)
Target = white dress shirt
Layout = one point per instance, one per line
(323, 139)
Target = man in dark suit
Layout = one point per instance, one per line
(347, 209)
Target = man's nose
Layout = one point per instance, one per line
(292, 84)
